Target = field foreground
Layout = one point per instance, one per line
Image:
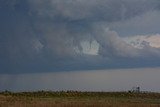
(79, 99)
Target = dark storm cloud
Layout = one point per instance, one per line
(92, 10)
(46, 35)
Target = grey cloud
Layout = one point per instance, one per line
(94, 10)
(111, 45)
(147, 23)
(38, 35)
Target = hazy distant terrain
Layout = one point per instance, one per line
(79, 99)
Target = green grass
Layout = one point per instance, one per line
(79, 99)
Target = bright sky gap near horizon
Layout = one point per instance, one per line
(92, 44)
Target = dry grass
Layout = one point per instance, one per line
(14, 100)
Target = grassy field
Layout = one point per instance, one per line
(79, 99)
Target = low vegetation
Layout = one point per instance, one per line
(79, 99)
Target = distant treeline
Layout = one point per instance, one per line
(82, 94)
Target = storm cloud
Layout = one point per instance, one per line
(59, 35)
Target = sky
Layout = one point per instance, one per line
(42, 37)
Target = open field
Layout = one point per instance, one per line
(79, 99)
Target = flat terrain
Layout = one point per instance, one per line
(79, 99)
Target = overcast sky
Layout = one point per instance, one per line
(53, 36)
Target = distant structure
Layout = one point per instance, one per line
(136, 89)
